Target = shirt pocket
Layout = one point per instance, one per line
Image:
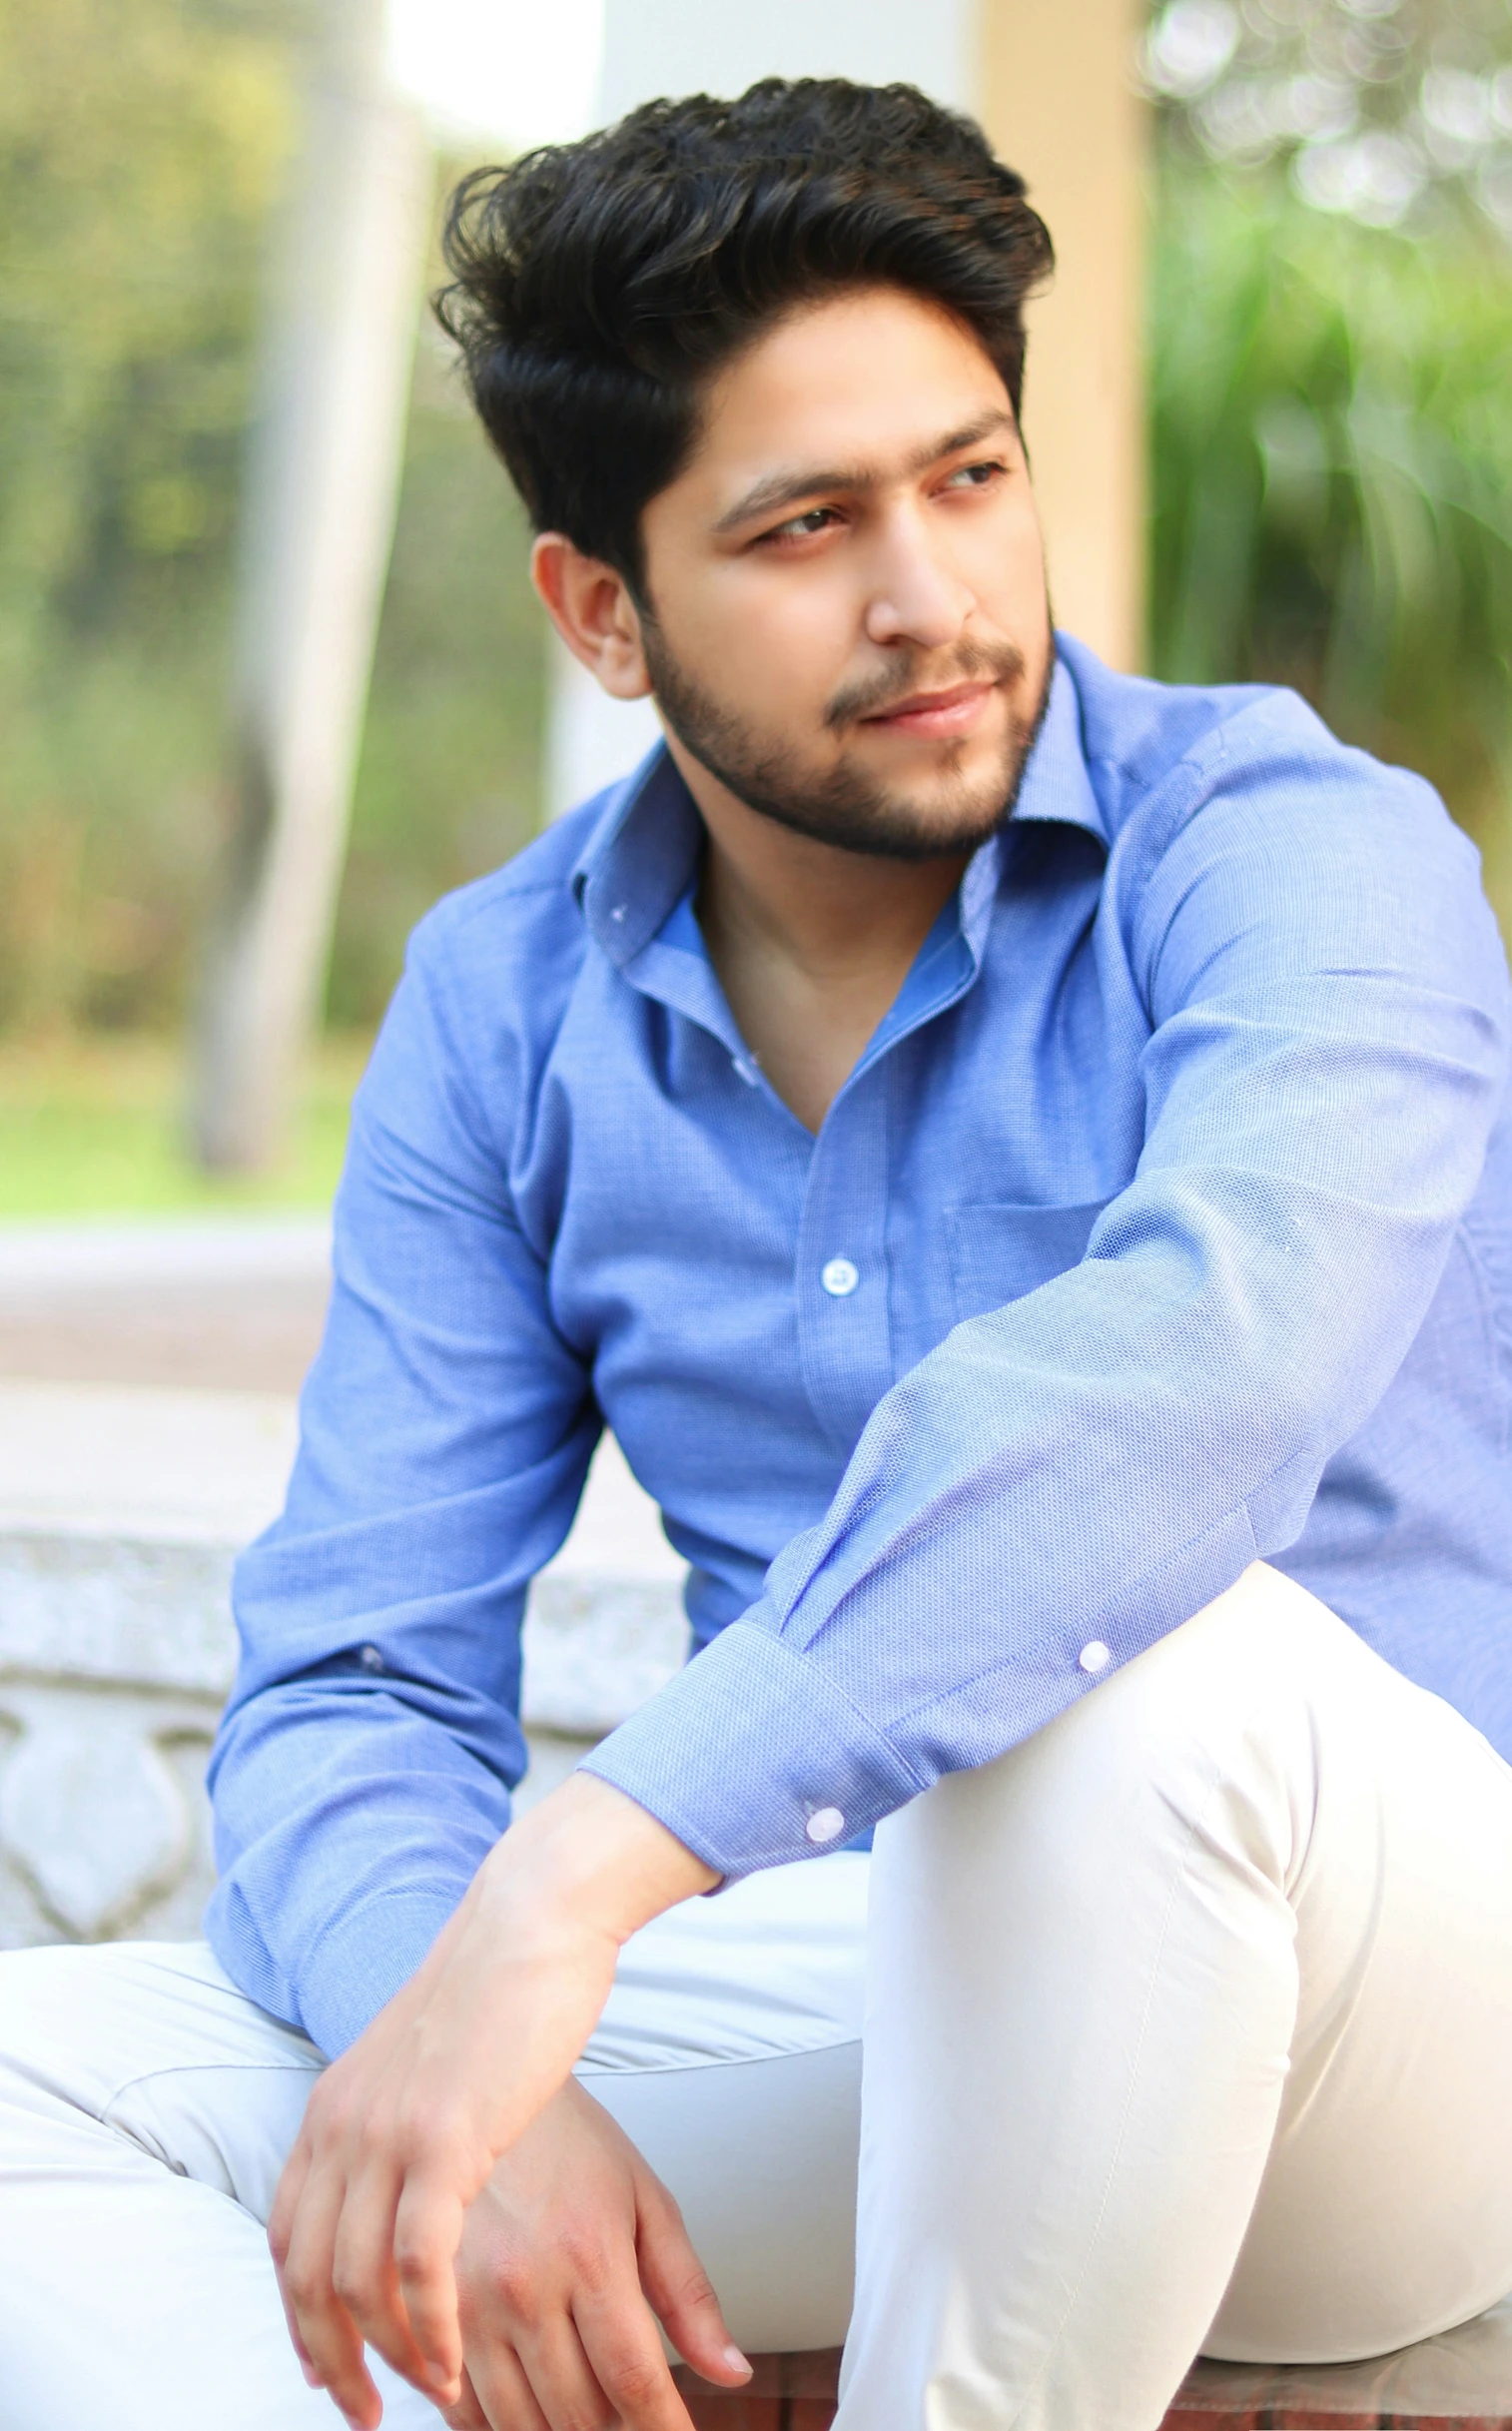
(1000, 1253)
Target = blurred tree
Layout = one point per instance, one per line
(143, 147)
(1331, 367)
(141, 142)
(1395, 112)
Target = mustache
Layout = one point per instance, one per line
(874, 695)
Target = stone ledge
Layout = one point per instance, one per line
(120, 1517)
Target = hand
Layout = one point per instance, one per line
(570, 2251)
(402, 2132)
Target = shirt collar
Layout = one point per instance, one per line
(642, 853)
(639, 858)
(1056, 782)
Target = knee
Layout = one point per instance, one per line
(1211, 1733)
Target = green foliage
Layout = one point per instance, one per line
(140, 143)
(1332, 474)
(143, 145)
(448, 781)
(94, 1126)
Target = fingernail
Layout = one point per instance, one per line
(736, 2361)
(438, 2377)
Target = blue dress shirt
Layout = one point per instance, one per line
(1165, 1220)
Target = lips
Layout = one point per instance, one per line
(951, 711)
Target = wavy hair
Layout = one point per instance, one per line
(598, 287)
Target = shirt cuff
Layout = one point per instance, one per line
(753, 1757)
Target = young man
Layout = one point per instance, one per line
(1005, 1146)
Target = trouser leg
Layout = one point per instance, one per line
(146, 2108)
(1206, 1988)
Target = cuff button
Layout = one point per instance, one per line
(1094, 1657)
(827, 1823)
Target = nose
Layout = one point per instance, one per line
(913, 597)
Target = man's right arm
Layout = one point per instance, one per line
(365, 1764)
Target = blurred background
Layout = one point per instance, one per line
(1297, 466)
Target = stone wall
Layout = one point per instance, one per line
(121, 1511)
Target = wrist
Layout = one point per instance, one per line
(592, 1861)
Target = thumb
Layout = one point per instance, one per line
(678, 2288)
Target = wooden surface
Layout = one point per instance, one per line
(1459, 2382)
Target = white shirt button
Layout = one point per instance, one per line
(839, 1278)
(827, 1824)
(1094, 1657)
(370, 1659)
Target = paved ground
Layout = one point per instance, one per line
(149, 1369)
(235, 1306)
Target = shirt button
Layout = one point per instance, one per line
(370, 1659)
(1094, 1657)
(839, 1278)
(827, 1824)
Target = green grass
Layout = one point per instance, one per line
(93, 1127)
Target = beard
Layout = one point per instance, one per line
(846, 806)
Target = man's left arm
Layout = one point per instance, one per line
(1091, 1464)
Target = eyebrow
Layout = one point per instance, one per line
(776, 489)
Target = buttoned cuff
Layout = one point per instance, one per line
(753, 1757)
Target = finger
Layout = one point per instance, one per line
(427, 2229)
(367, 2282)
(285, 2200)
(625, 2354)
(325, 2336)
(568, 2389)
(678, 2288)
(501, 2391)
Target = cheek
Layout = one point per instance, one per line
(777, 641)
(1006, 571)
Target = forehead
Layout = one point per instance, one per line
(856, 382)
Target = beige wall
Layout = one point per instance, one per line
(1058, 98)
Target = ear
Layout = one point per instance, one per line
(591, 607)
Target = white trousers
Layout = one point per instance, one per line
(1189, 2023)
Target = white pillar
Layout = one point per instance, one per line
(1056, 96)
(318, 518)
(674, 47)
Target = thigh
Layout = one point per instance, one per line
(730, 2054)
(1385, 2211)
(146, 2106)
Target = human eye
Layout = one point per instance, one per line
(801, 526)
(979, 475)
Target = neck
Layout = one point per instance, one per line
(826, 911)
(811, 943)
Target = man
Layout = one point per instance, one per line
(1020, 1157)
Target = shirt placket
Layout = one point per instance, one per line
(840, 1282)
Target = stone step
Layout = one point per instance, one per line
(122, 1509)
(1461, 2381)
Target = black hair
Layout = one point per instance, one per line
(598, 286)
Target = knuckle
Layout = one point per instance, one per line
(517, 2282)
(350, 2287)
(586, 2416)
(590, 2267)
(634, 2383)
(305, 2289)
(413, 2258)
(695, 2286)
